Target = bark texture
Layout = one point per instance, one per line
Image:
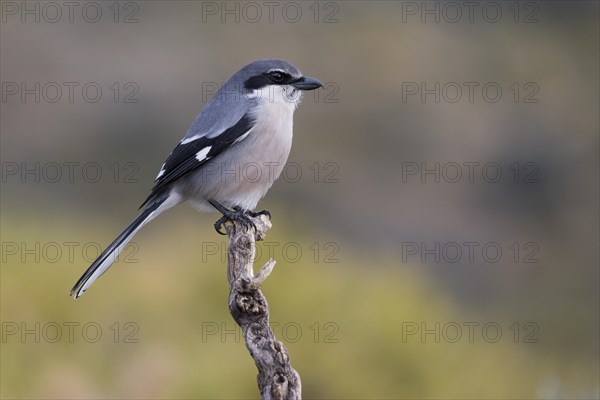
(248, 307)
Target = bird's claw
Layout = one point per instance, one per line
(241, 216)
(259, 213)
(244, 217)
(219, 225)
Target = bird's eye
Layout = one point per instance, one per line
(277, 76)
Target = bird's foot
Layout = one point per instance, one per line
(238, 216)
(244, 217)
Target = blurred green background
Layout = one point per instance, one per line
(367, 304)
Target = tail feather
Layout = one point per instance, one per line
(110, 254)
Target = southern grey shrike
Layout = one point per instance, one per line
(248, 121)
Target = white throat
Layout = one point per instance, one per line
(284, 96)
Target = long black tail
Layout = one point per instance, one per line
(109, 255)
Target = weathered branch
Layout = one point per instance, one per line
(248, 307)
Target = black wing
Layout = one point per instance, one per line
(184, 158)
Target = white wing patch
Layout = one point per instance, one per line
(201, 155)
(242, 137)
(191, 139)
(161, 173)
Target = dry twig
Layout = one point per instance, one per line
(248, 307)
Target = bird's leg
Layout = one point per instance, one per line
(237, 214)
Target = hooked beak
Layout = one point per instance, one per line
(307, 83)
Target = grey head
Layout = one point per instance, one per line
(243, 91)
(262, 73)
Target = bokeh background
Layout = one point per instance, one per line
(370, 293)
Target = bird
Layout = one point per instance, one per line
(229, 157)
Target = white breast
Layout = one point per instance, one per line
(243, 175)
